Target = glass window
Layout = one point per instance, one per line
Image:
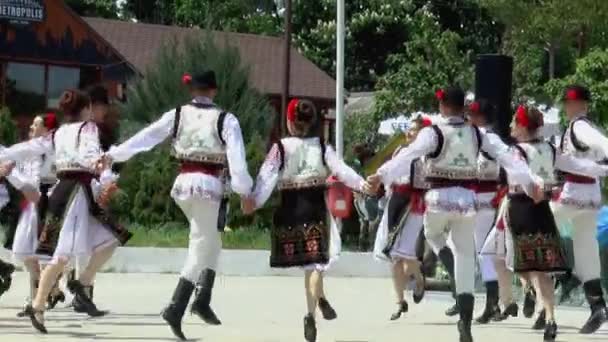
(60, 79)
(25, 88)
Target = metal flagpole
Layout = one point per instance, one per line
(340, 80)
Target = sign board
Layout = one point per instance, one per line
(22, 12)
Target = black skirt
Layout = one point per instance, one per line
(397, 209)
(536, 241)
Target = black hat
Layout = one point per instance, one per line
(451, 96)
(576, 93)
(204, 80)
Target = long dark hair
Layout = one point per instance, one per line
(72, 102)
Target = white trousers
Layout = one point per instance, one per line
(436, 225)
(484, 221)
(584, 240)
(205, 243)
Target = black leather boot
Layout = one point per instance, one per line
(327, 310)
(6, 276)
(81, 298)
(174, 312)
(599, 312)
(447, 259)
(465, 302)
(401, 309)
(529, 302)
(550, 332)
(202, 301)
(541, 321)
(492, 310)
(568, 282)
(310, 328)
(512, 310)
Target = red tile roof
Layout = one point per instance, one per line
(140, 43)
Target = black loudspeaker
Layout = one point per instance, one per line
(493, 82)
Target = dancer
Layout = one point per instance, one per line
(34, 178)
(300, 164)
(401, 225)
(6, 268)
(533, 242)
(206, 140)
(451, 149)
(489, 177)
(580, 201)
(75, 224)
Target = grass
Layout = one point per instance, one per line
(176, 235)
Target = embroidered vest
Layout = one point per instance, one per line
(570, 145)
(197, 137)
(540, 157)
(73, 144)
(457, 153)
(303, 163)
(417, 175)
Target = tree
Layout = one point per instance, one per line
(148, 179)
(94, 8)
(8, 130)
(431, 59)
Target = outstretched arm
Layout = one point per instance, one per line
(515, 165)
(344, 172)
(28, 149)
(580, 166)
(590, 136)
(145, 140)
(268, 177)
(240, 179)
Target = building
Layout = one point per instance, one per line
(45, 48)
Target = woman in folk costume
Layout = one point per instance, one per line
(580, 200)
(75, 225)
(34, 177)
(533, 244)
(206, 141)
(299, 165)
(401, 225)
(451, 149)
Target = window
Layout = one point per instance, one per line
(25, 91)
(60, 79)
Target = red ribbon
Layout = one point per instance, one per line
(440, 94)
(186, 79)
(426, 122)
(572, 95)
(521, 116)
(50, 121)
(474, 107)
(291, 110)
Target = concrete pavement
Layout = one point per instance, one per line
(266, 309)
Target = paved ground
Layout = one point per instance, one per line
(266, 309)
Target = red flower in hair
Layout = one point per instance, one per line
(521, 116)
(186, 79)
(291, 110)
(50, 121)
(440, 94)
(572, 95)
(426, 122)
(474, 107)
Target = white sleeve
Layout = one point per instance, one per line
(344, 173)
(580, 166)
(268, 177)
(397, 167)
(144, 140)
(508, 158)
(240, 179)
(28, 149)
(89, 149)
(590, 136)
(27, 176)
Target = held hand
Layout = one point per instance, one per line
(538, 194)
(247, 205)
(106, 195)
(6, 168)
(31, 195)
(373, 184)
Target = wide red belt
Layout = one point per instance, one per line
(486, 186)
(438, 183)
(401, 188)
(194, 167)
(572, 178)
(80, 176)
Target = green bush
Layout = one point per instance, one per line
(147, 179)
(8, 130)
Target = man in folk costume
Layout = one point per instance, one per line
(300, 165)
(489, 176)
(6, 268)
(451, 149)
(206, 140)
(580, 200)
(401, 226)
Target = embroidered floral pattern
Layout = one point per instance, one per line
(299, 245)
(580, 204)
(195, 191)
(541, 252)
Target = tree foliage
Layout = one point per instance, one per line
(147, 180)
(8, 130)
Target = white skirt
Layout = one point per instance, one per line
(81, 234)
(499, 242)
(26, 234)
(405, 245)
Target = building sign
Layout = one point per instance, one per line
(22, 12)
